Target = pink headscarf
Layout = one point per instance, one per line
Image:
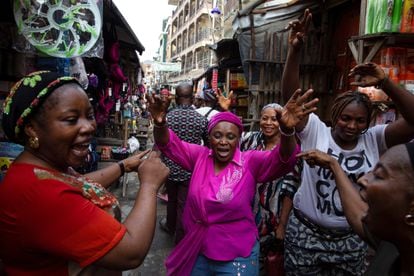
(165, 92)
(226, 117)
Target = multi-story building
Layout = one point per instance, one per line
(191, 33)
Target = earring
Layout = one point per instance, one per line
(34, 142)
(409, 219)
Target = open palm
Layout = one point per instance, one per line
(158, 108)
(297, 108)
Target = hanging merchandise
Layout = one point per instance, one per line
(407, 21)
(77, 70)
(61, 28)
(396, 15)
(383, 16)
(106, 103)
(214, 80)
(113, 57)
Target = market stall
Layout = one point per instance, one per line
(89, 40)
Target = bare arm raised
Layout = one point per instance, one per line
(290, 77)
(371, 74)
(158, 108)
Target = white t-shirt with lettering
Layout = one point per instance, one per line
(317, 196)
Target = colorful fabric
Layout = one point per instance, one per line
(46, 221)
(26, 96)
(308, 252)
(268, 198)
(225, 117)
(189, 126)
(218, 219)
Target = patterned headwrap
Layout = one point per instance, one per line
(25, 98)
(226, 117)
(272, 105)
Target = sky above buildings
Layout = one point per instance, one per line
(145, 18)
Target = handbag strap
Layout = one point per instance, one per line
(206, 115)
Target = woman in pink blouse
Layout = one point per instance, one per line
(220, 231)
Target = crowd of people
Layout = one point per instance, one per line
(318, 195)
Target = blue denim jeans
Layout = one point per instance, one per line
(239, 266)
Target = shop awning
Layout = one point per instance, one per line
(190, 76)
(126, 35)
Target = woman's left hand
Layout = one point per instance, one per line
(296, 109)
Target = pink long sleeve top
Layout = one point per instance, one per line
(218, 217)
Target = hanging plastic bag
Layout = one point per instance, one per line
(77, 70)
(133, 144)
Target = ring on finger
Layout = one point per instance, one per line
(303, 107)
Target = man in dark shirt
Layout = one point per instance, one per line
(191, 127)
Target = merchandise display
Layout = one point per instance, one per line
(59, 28)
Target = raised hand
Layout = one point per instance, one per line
(296, 109)
(367, 74)
(158, 107)
(298, 29)
(224, 102)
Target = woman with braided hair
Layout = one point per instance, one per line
(319, 240)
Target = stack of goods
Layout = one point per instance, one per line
(119, 153)
(398, 64)
(389, 16)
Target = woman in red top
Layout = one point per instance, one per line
(54, 221)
